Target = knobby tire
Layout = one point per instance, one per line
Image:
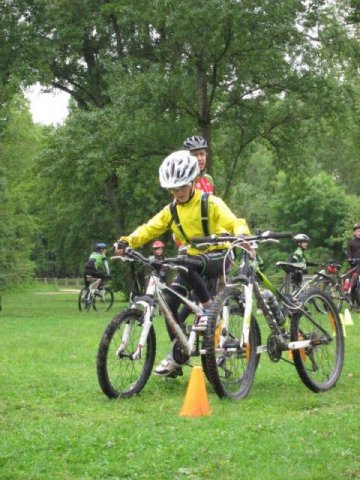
(230, 371)
(319, 366)
(119, 376)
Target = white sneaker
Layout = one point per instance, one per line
(168, 368)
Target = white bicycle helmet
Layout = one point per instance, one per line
(178, 169)
(301, 237)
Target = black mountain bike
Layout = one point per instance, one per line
(307, 325)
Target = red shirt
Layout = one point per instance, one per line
(205, 183)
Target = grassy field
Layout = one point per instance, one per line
(55, 423)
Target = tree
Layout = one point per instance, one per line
(18, 147)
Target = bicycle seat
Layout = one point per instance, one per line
(290, 267)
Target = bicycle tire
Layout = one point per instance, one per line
(103, 303)
(84, 303)
(231, 368)
(319, 366)
(334, 290)
(119, 376)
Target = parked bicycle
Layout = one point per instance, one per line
(308, 326)
(127, 348)
(329, 279)
(90, 296)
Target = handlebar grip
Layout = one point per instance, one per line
(209, 239)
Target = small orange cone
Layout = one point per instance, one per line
(196, 401)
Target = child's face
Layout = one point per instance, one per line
(158, 251)
(303, 245)
(201, 156)
(357, 233)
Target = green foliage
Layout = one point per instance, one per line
(18, 146)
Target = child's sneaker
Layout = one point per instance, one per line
(168, 368)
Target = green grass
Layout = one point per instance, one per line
(55, 423)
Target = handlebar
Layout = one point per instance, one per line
(216, 239)
(181, 260)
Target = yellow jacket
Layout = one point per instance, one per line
(221, 220)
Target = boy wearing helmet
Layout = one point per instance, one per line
(198, 147)
(353, 252)
(158, 253)
(158, 248)
(177, 174)
(298, 257)
(97, 266)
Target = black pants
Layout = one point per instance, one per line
(93, 274)
(195, 282)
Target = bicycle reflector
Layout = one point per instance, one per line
(331, 269)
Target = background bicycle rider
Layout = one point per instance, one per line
(158, 253)
(198, 147)
(177, 174)
(97, 266)
(353, 252)
(298, 257)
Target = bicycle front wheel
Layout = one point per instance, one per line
(319, 365)
(229, 363)
(85, 300)
(103, 300)
(120, 375)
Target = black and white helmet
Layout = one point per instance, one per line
(195, 143)
(178, 169)
(301, 237)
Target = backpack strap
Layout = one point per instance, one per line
(204, 217)
(205, 213)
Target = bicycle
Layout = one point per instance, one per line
(90, 296)
(331, 282)
(307, 325)
(127, 348)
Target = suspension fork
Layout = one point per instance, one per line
(146, 326)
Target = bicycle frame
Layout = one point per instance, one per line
(251, 280)
(155, 292)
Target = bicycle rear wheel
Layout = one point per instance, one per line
(334, 291)
(119, 375)
(228, 363)
(104, 300)
(85, 301)
(320, 364)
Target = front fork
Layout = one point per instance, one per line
(146, 326)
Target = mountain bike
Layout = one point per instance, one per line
(336, 285)
(330, 281)
(127, 348)
(324, 278)
(90, 297)
(307, 325)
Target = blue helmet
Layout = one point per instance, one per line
(100, 246)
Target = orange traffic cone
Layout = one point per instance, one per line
(196, 401)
